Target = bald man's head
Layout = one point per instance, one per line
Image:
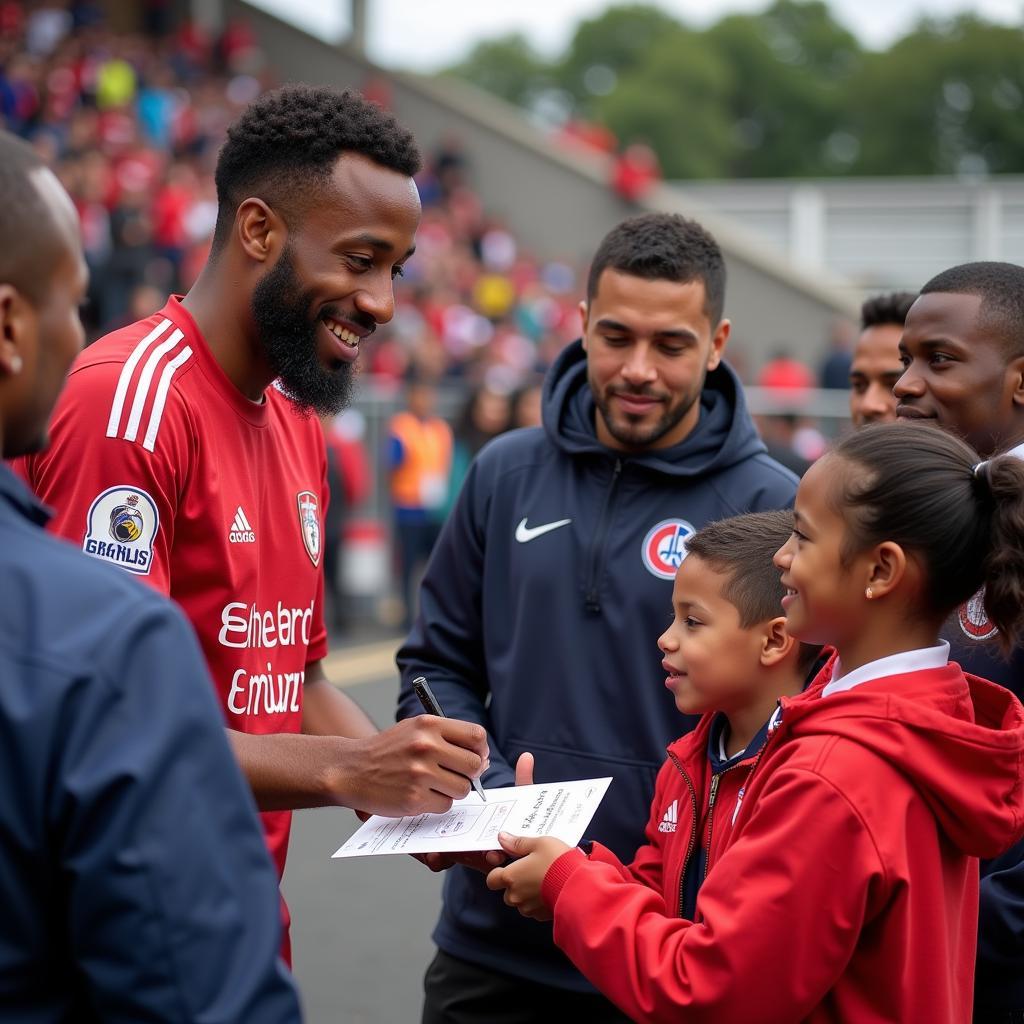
(37, 218)
(42, 281)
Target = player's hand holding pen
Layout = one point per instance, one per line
(433, 707)
(419, 765)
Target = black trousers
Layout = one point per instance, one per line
(457, 992)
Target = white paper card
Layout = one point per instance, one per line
(559, 809)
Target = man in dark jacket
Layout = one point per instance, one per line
(963, 352)
(545, 592)
(133, 874)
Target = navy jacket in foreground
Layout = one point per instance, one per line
(548, 637)
(134, 879)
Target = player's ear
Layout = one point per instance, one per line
(261, 232)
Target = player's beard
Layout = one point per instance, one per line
(287, 331)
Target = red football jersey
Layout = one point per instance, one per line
(159, 465)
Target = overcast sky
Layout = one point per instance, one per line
(423, 35)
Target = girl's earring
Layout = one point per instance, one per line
(868, 594)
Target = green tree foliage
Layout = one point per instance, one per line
(692, 139)
(947, 98)
(792, 65)
(618, 42)
(507, 67)
(786, 92)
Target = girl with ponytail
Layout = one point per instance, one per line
(846, 885)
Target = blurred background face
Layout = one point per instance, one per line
(490, 411)
(874, 371)
(421, 400)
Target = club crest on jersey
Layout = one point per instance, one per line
(309, 523)
(973, 618)
(664, 547)
(121, 527)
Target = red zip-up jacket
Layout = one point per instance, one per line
(847, 889)
(691, 814)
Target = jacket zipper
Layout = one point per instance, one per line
(693, 828)
(591, 602)
(715, 779)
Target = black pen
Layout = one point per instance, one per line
(431, 706)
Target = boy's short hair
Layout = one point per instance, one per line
(741, 548)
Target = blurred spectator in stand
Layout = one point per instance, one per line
(785, 373)
(450, 165)
(420, 458)
(635, 172)
(779, 433)
(835, 370)
(526, 405)
(485, 415)
(876, 362)
(588, 135)
(348, 485)
(132, 124)
(789, 437)
(170, 211)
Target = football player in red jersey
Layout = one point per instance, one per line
(175, 419)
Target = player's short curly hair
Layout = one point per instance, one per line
(664, 246)
(286, 143)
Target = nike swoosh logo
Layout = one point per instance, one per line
(526, 533)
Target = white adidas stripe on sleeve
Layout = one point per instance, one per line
(123, 382)
(149, 442)
(145, 382)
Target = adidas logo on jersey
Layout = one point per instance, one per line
(241, 531)
(668, 823)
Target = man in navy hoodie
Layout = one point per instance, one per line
(134, 879)
(558, 556)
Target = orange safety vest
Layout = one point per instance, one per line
(421, 479)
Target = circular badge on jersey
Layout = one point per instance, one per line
(664, 547)
(974, 620)
(121, 527)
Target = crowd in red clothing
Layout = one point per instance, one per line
(132, 124)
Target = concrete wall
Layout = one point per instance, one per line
(880, 234)
(558, 203)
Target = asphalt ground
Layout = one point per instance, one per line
(360, 927)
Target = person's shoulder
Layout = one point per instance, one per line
(128, 381)
(760, 473)
(771, 469)
(88, 603)
(63, 569)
